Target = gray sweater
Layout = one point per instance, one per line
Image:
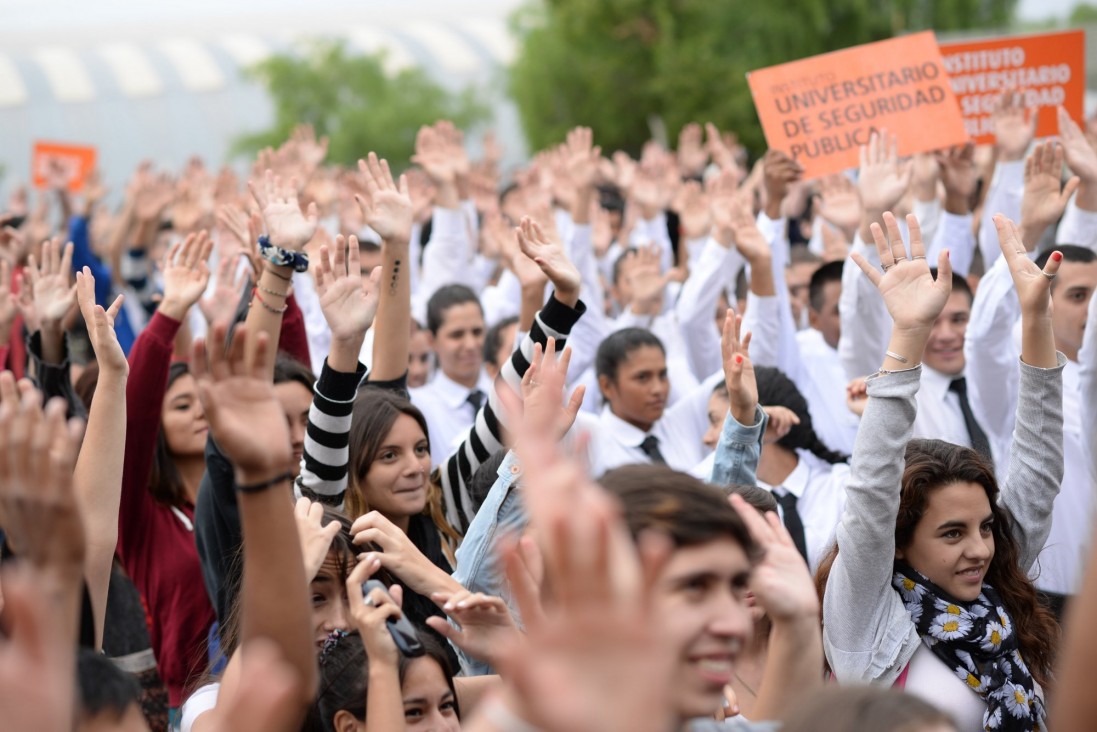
(867, 633)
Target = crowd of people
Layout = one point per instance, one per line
(682, 442)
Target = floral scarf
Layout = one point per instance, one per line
(977, 641)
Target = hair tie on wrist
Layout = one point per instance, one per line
(260, 487)
(280, 257)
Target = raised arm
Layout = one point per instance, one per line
(388, 211)
(1079, 224)
(740, 445)
(349, 309)
(185, 278)
(989, 348)
(883, 180)
(98, 476)
(858, 598)
(1014, 128)
(954, 232)
(1036, 455)
(1087, 358)
(53, 297)
(288, 230)
(555, 320)
(248, 424)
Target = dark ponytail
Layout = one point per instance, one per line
(777, 390)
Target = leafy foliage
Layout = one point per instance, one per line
(353, 100)
(616, 65)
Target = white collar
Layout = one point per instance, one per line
(622, 431)
(937, 383)
(453, 395)
(795, 482)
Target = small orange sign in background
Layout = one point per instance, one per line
(1048, 69)
(75, 161)
(820, 110)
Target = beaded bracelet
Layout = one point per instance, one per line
(272, 292)
(260, 487)
(257, 297)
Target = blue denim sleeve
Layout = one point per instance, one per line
(478, 567)
(736, 458)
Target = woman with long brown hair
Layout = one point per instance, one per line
(928, 588)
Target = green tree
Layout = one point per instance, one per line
(355, 102)
(617, 64)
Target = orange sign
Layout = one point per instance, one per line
(72, 162)
(820, 110)
(1049, 69)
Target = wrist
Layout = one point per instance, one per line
(259, 475)
(567, 296)
(744, 415)
(446, 195)
(1086, 197)
(957, 204)
(773, 206)
(174, 309)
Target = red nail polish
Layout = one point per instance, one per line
(738, 359)
(1057, 256)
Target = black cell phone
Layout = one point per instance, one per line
(402, 631)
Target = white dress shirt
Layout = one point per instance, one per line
(613, 442)
(939, 416)
(820, 490)
(444, 403)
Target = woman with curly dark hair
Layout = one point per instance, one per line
(928, 588)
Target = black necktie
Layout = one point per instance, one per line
(979, 441)
(650, 446)
(476, 399)
(791, 519)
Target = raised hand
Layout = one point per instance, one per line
(738, 370)
(315, 538)
(780, 172)
(486, 631)
(100, 325)
(1080, 156)
(220, 305)
(883, 179)
(244, 232)
(54, 295)
(149, 193)
(722, 154)
(1014, 126)
(691, 203)
(913, 298)
(1045, 196)
(781, 582)
(38, 506)
(245, 417)
(286, 225)
(840, 204)
(37, 683)
(387, 209)
(648, 284)
(543, 409)
(8, 302)
(185, 274)
(595, 659)
(581, 157)
(1032, 283)
(960, 177)
(692, 155)
(549, 255)
(346, 301)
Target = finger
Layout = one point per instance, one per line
(873, 273)
(66, 261)
(882, 248)
(354, 258)
(1052, 266)
(917, 249)
(895, 237)
(112, 311)
(944, 272)
(1068, 190)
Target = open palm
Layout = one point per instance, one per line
(913, 298)
(348, 308)
(286, 225)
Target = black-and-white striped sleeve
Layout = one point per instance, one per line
(326, 456)
(554, 320)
